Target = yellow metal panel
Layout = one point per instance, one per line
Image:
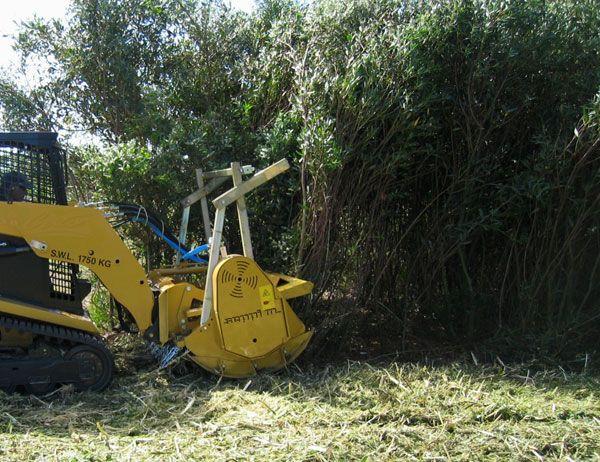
(251, 325)
(224, 363)
(82, 236)
(57, 317)
(248, 329)
(165, 299)
(293, 287)
(175, 303)
(294, 325)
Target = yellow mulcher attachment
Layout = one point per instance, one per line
(229, 315)
(250, 327)
(241, 320)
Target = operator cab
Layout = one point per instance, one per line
(33, 169)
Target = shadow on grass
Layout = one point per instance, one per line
(143, 399)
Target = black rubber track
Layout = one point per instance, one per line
(74, 338)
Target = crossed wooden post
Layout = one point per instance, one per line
(235, 194)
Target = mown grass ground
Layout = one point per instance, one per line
(351, 411)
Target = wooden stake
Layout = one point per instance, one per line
(236, 173)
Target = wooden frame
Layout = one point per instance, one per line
(236, 194)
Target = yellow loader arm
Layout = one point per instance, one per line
(81, 236)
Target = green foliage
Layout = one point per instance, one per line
(436, 140)
(445, 153)
(99, 306)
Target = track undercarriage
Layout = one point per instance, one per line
(38, 357)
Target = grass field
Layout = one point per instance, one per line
(351, 411)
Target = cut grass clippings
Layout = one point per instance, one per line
(353, 411)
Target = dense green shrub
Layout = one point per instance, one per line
(446, 178)
(435, 140)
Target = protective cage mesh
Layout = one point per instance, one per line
(62, 280)
(45, 169)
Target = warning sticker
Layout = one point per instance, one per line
(267, 297)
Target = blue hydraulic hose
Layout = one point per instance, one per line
(196, 251)
(186, 255)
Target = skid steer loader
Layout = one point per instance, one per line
(231, 317)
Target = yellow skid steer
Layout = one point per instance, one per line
(231, 317)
